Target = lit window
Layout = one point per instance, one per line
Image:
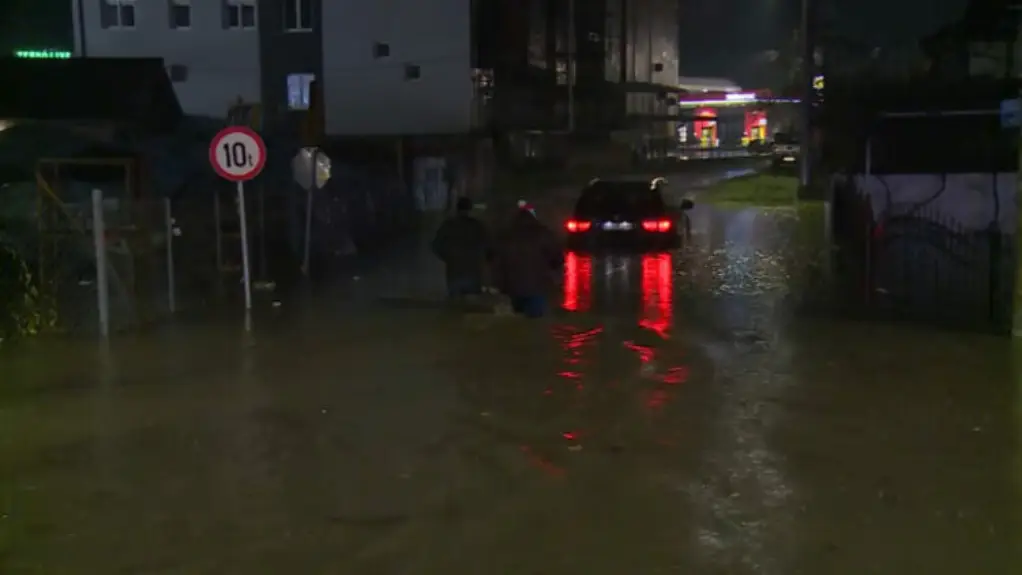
(239, 14)
(299, 91)
(298, 15)
(180, 14)
(117, 13)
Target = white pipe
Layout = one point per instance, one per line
(219, 233)
(99, 241)
(168, 218)
(246, 270)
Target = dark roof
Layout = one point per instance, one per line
(130, 92)
(22, 145)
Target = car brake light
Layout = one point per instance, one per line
(656, 225)
(575, 226)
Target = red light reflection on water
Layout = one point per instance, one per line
(541, 462)
(657, 293)
(574, 344)
(578, 281)
(675, 375)
(645, 353)
(657, 399)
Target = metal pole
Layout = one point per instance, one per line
(263, 266)
(808, 33)
(308, 214)
(246, 270)
(168, 218)
(102, 285)
(219, 233)
(571, 65)
(308, 232)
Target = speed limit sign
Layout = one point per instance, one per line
(237, 154)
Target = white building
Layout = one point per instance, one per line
(386, 66)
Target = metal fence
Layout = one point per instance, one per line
(921, 266)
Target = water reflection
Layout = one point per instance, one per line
(657, 293)
(656, 282)
(578, 282)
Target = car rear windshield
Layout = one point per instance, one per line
(626, 199)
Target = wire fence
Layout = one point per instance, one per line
(922, 266)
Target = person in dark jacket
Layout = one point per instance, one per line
(463, 244)
(527, 257)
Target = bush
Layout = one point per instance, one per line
(24, 310)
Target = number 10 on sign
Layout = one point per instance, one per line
(238, 154)
(235, 155)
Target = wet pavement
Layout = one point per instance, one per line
(678, 414)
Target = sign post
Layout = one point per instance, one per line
(311, 170)
(238, 154)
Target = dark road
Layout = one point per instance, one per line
(676, 415)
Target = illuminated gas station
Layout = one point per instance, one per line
(721, 115)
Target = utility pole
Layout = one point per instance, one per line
(570, 68)
(808, 37)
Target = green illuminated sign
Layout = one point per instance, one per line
(42, 54)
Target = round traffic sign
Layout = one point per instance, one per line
(311, 168)
(237, 153)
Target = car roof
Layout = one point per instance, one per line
(620, 194)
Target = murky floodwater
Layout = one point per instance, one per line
(676, 416)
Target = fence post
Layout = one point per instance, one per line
(99, 241)
(1016, 296)
(866, 210)
(219, 235)
(993, 273)
(168, 218)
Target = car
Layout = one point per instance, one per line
(785, 151)
(627, 214)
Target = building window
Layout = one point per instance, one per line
(299, 91)
(180, 14)
(117, 13)
(412, 72)
(381, 50)
(239, 14)
(298, 15)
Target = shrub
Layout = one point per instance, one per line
(24, 309)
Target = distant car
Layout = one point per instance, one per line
(785, 151)
(628, 214)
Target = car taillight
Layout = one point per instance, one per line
(656, 225)
(575, 226)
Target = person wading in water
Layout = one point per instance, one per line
(463, 244)
(527, 257)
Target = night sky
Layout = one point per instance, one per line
(722, 37)
(718, 37)
(34, 24)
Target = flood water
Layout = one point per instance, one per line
(676, 415)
